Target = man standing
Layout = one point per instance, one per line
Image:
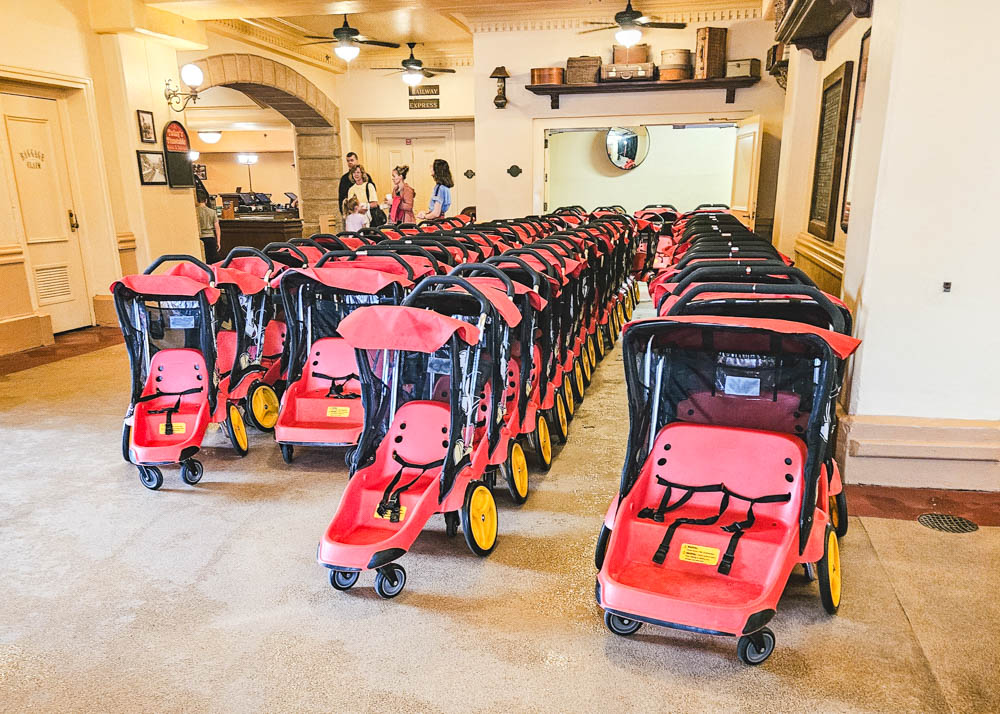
(208, 229)
(346, 181)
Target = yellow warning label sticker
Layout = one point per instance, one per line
(387, 516)
(179, 427)
(338, 412)
(703, 555)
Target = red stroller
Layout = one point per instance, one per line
(723, 490)
(422, 452)
(171, 324)
(322, 403)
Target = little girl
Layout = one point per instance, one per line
(355, 216)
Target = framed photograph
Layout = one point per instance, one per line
(147, 126)
(152, 168)
(834, 108)
(859, 102)
(200, 170)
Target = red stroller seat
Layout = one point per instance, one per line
(225, 354)
(324, 406)
(381, 500)
(274, 341)
(172, 413)
(707, 542)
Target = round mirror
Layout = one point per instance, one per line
(627, 146)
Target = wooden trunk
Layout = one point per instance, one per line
(583, 70)
(548, 75)
(636, 54)
(710, 53)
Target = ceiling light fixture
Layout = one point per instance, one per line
(247, 159)
(628, 35)
(413, 77)
(194, 155)
(210, 137)
(346, 51)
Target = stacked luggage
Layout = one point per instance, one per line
(730, 479)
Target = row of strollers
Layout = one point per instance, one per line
(434, 352)
(729, 479)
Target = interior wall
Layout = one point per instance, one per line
(690, 165)
(274, 173)
(505, 137)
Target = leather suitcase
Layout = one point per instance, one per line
(710, 53)
(627, 72)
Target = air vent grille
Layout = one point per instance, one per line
(52, 283)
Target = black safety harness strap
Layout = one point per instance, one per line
(740, 527)
(389, 505)
(168, 427)
(337, 384)
(661, 552)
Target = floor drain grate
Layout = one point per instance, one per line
(947, 523)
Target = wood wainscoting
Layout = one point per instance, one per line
(820, 260)
(923, 453)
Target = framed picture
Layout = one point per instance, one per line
(833, 111)
(859, 102)
(152, 168)
(147, 126)
(200, 170)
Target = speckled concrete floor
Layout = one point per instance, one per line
(208, 598)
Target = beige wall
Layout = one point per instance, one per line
(509, 136)
(274, 173)
(684, 167)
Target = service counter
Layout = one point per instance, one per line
(257, 230)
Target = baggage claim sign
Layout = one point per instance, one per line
(425, 96)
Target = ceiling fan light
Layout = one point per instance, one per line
(413, 77)
(210, 137)
(346, 51)
(628, 36)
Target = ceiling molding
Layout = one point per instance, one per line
(431, 57)
(506, 24)
(263, 34)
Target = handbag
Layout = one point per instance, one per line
(378, 217)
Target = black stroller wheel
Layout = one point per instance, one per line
(287, 452)
(838, 513)
(151, 477)
(602, 546)
(754, 648)
(343, 579)
(622, 626)
(126, 440)
(192, 471)
(390, 580)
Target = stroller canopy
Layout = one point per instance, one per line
(167, 286)
(391, 327)
(353, 278)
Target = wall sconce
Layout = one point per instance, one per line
(192, 76)
(501, 76)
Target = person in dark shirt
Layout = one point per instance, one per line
(346, 181)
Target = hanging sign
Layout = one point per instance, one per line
(425, 90)
(425, 103)
(176, 146)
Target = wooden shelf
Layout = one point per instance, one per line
(808, 23)
(729, 84)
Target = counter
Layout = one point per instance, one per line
(257, 231)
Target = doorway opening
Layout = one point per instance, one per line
(684, 164)
(386, 145)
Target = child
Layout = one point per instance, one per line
(355, 215)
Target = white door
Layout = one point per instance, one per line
(746, 170)
(33, 142)
(415, 145)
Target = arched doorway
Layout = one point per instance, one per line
(313, 115)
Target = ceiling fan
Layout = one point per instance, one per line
(348, 38)
(413, 69)
(630, 24)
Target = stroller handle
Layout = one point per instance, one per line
(660, 205)
(353, 255)
(248, 251)
(550, 270)
(310, 241)
(315, 239)
(274, 247)
(536, 277)
(444, 255)
(716, 272)
(177, 258)
(831, 310)
(549, 249)
(491, 270)
(431, 281)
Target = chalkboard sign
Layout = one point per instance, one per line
(176, 146)
(834, 108)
